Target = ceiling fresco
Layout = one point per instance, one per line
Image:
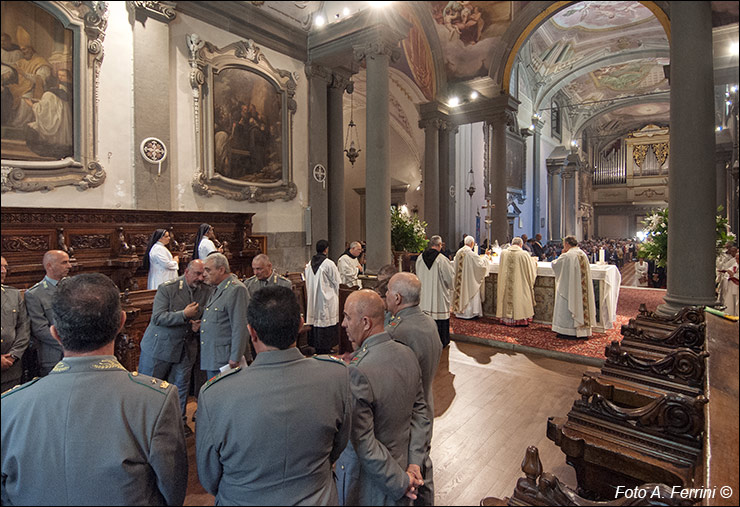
(595, 16)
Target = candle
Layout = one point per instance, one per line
(601, 255)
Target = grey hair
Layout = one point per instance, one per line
(517, 241)
(571, 240)
(435, 241)
(261, 258)
(469, 240)
(408, 286)
(354, 244)
(219, 261)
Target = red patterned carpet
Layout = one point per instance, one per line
(541, 336)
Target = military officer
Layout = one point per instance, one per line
(91, 433)
(223, 327)
(389, 419)
(170, 343)
(264, 275)
(252, 449)
(414, 328)
(38, 302)
(16, 332)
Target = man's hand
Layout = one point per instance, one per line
(415, 481)
(7, 361)
(233, 364)
(191, 311)
(195, 325)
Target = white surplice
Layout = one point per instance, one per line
(515, 292)
(349, 269)
(641, 274)
(322, 294)
(470, 271)
(436, 286)
(574, 312)
(205, 247)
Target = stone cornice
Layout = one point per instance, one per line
(484, 109)
(161, 11)
(250, 22)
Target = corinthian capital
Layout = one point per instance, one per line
(375, 49)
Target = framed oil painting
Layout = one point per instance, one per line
(244, 112)
(51, 52)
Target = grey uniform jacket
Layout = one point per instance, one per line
(164, 338)
(91, 433)
(389, 424)
(223, 327)
(268, 434)
(38, 302)
(16, 330)
(253, 284)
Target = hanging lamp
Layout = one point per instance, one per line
(471, 188)
(352, 140)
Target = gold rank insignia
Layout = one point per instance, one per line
(108, 364)
(135, 373)
(60, 367)
(164, 384)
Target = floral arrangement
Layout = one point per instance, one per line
(407, 233)
(655, 246)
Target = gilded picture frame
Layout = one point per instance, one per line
(243, 110)
(60, 49)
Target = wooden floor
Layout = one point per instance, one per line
(489, 406)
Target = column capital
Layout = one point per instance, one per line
(434, 114)
(314, 71)
(435, 123)
(161, 11)
(377, 48)
(340, 80)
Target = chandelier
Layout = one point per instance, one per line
(352, 141)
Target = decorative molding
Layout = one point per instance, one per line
(206, 60)
(88, 241)
(161, 11)
(375, 49)
(688, 335)
(688, 314)
(682, 365)
(88, 21)
(23, 243)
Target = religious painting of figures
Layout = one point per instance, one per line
(37, 84)
(247, 126)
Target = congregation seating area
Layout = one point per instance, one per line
(664, 402)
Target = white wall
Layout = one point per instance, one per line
(614, 226)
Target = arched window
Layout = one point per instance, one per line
(555, 127)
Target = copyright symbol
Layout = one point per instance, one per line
(725, 491)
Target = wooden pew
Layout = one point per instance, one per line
(113, 242)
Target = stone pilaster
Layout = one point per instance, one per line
(319, 78)
(497, 164)
(335, 170)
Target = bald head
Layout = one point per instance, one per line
(262, 267)
(404, 290)
(56, 263)
(363, 316)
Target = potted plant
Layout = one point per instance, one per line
(408, 235)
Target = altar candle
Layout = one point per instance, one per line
(601, 255)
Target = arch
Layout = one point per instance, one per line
(631, 102)
(537, 15)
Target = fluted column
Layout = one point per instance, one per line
(691, 184)
(335, 176)
(377, 56)
(431, 174)
(497, 163)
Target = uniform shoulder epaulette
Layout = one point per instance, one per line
(359, 355)
(37, 284)
(150, 382)
(221, 376)
(250, 278)
(170, 282)
(329, 358)
(20, 387)
(395, 321)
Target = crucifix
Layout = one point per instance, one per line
(489, 220)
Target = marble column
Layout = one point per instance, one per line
(445, 203)
(318, 196)
(377, 56)
(335, 171)
(692, 182)
(431, 174)
(497, 163)
(570, 204)
(554, 203)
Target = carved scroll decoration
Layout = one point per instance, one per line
(694, 314)
(683, 364)
(687, 335)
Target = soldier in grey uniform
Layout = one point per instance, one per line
(223, 327)
(16, 332)
(414, 328)
(38, 302)
(91, 433)
(389, 419)
(268, 434)
(264, 275)
(170, 343)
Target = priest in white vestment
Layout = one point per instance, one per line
(470, 271)
(641, 273)
(436, 274)
(730, 295)
(349, 265)
(322, 295)
(724, 261)
(574, 313)
(515, 292)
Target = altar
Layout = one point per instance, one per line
(606, 279)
